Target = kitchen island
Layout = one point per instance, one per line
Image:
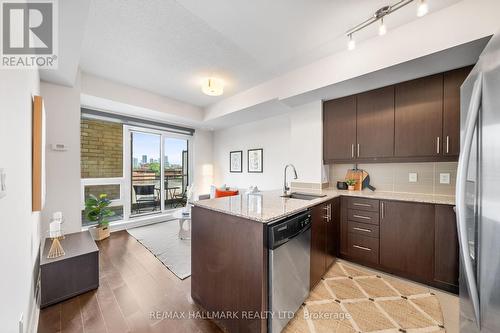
(230, 256)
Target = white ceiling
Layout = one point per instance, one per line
(72, 23)
(166, 46)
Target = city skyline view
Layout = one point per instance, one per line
(149, 145)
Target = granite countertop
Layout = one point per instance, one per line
(269, 206)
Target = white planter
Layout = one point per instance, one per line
(99, 233)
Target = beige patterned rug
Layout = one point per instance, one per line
(351, 300)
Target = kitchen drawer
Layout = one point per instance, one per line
(362, 216)
(369, 230)
(370, 205)
(364, 249)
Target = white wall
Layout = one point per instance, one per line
(306, 141)
(113, 96)
(295, 137)
(203, 175)
(19, 227)
(62, 106)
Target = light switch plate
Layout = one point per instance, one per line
(444, 178)
(412, 177)
(58, 147)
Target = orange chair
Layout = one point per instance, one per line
(225, 193)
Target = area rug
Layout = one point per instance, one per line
(349, 299)
(162, 239)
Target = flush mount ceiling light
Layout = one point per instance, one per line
(422, 9)
(212, 86)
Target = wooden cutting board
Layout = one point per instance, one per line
(357, 175)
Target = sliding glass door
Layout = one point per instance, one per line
(176, 170)
(159, 170)
(146, 173)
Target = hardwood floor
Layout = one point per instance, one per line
(133, 285)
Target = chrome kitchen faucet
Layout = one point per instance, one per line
(286, 188)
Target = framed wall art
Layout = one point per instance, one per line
(255, 160)
(236, 161)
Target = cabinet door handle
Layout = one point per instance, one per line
(358, 149)
(437, 145)
(362, 229)
(362, 217)
(447, 144)
(328, 215)
(362, 248)
(361, 204)
(352, 150)
(382, 209)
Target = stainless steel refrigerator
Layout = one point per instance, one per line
(478, 195)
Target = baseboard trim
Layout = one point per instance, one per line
(34, 313)
(137, 222)
(33, 321)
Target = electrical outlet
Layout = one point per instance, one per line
(444, 178)
(412, 177)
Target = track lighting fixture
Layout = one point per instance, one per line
(351, 45)
(382, 29)
(422, 9)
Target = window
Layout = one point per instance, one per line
(142, 170)
(101, 146)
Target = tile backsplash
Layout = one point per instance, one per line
(394, 176)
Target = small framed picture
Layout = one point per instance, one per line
(236, 161)
(255, 163)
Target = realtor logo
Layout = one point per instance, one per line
(29, 34)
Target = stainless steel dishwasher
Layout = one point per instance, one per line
(289, 267)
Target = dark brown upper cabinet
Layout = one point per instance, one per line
(419, 117)
(451, 110)
(413, 121)
(375, 123)
(339, 123)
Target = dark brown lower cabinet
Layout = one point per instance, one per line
(446, 247)
(332, 232)
(229, 268)
(324, 238)
(363, 248)
(407, 238)
(344, 227)
(417, 241)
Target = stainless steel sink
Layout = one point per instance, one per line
(303, 196)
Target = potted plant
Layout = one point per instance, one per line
(96, 210)
(350, 184)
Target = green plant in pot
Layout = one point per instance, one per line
(350, 184)
(96, 210)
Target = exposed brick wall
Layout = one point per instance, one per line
(101, 149)
(113, 191)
